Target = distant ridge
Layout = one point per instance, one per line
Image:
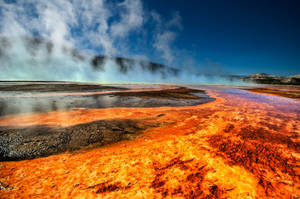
(263, 78)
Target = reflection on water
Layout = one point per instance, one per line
(277, 102)
(26, 102)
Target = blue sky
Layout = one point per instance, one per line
(242, 36)
(201, 36)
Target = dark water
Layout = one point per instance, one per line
(16, 102)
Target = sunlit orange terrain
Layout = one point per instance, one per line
(242, 145)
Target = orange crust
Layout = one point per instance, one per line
(229, 148)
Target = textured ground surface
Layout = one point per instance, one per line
(242, 145)
(284, 91)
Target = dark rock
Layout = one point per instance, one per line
(39, 141)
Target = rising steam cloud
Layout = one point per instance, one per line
(60, 40)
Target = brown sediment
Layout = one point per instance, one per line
(107, 187)
(40, 141)
(262, 135)
(57, 87)
(178, 93)
(284, 93)
(229, 148)
(259, 158)
(192, 189)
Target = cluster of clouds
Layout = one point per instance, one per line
(92, 27)
(95, 26)
(83, 29)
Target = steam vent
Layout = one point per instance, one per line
(148, 99)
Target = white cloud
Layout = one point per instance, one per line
(163, 43)
(91, 26)
(88, 24)
(166, 33)
(131, 20)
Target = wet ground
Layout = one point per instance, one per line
(288, 91)
(31, 97)
(241, 145)
(35, 141)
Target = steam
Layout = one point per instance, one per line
(60, 40)
(165, 37)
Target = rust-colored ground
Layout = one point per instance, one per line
(291, 92)
(234, 147)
